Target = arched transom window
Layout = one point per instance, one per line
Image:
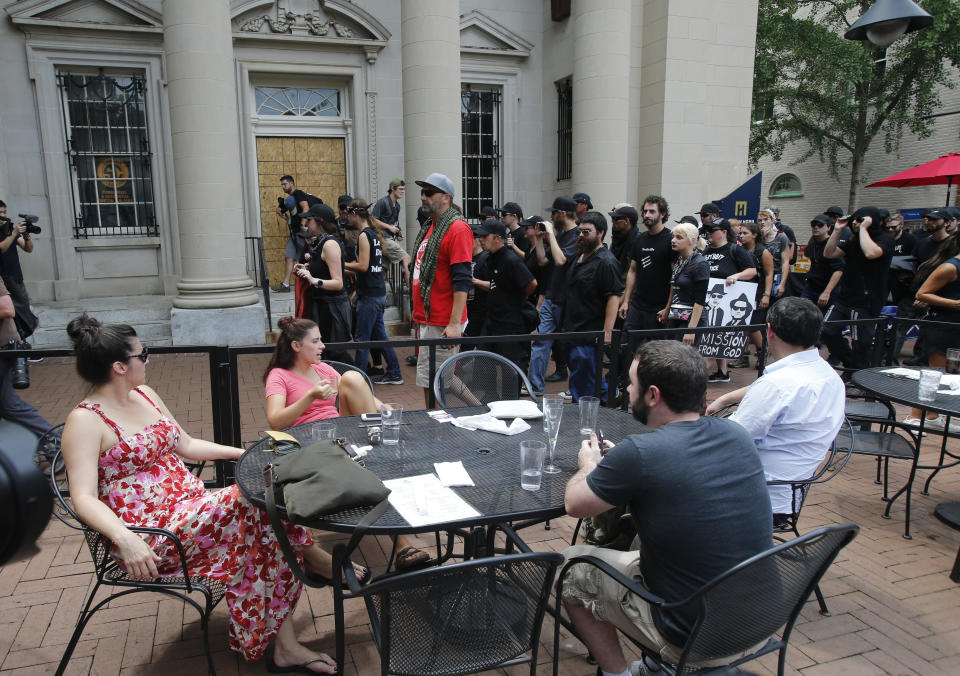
(297, 102)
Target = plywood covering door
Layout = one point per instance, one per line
(317, 165)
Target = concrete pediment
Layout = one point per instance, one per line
(331, 19)
(89, 13)
(481, 34)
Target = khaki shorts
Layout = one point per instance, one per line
(393, 250)
(609, 602)
(423, 361)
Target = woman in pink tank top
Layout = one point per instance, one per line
(123, 452)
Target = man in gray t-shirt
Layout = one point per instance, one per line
(696, 490)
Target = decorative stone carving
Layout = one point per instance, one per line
(309, 23)
(373, 162)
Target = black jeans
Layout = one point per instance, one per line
(861, 353)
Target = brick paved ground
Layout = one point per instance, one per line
(894, 610)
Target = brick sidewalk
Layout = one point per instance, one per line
(894, 609)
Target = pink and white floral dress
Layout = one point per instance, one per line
(225, 537)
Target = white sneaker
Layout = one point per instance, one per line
(566, 395)
(915, 422)
(940, 422)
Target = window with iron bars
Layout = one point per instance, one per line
(480, 130)
(108, 146)
(564, 129)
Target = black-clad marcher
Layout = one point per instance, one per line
(867, 255)
(509, 286)
(593, 290)
(324, 272)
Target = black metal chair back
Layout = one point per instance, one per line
(478, 377)
(462, 618)
(751, 602)
(342, 367)
(109, 573)
(742, 609)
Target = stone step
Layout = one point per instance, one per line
(149, 315)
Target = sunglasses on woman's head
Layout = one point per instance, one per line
(142, 356)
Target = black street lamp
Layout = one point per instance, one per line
(887, 20)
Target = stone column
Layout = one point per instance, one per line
(216, 300)
(695, 100)
(601, 100)
(430, 50)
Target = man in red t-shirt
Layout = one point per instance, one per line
(442, 273)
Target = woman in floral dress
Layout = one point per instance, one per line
(123, 453)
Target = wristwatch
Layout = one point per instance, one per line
(319, 283)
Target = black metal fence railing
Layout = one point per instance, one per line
(224, 366)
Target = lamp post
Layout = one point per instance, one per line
(888, 20)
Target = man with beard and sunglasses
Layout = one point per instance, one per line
(697, 475)
(593, 288)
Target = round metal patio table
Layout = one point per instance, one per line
(492, 461)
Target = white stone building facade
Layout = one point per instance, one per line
(207, 103)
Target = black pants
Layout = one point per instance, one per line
(860, 355)
(517, 352)
(12, 407)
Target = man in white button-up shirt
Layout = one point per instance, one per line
(794, 410)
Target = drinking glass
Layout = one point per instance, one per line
(390, 415)
(552, 413)
(531, 464)
(953, 360)
(589, 409)
(928, 385)
(324, 431)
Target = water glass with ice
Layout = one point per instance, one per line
(929, 384)
(390, 416)
(531, 464)
(589, 409)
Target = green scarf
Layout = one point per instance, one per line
(428, 264)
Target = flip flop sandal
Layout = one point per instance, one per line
(361, 579)
(407, 558)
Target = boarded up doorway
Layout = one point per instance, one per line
(317, 165)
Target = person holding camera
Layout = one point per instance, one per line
(13, 237)
(12, 407)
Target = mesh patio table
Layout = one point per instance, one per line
(905, 391)
(492, 460)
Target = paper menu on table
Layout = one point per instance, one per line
(422, 500)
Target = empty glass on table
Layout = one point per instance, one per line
(552, 413)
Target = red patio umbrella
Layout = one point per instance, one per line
(944, 170)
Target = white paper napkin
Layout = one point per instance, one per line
(488, 423)
(453, 474)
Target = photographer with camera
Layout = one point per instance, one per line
(13, 236)
(12, 407)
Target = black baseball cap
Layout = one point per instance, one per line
(834, 211)
(937, 214)
(511, 208)
(488, 212)
(582, 198)
(343, 201)
(625, 211)
(709, 208)
(492, 226)
(531, 222)
(820, 219)
(873, 212)
(689, 219)
(562, 203)
(320, 212)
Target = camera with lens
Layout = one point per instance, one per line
(20, 374)
(31, 221)
(6, 224)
